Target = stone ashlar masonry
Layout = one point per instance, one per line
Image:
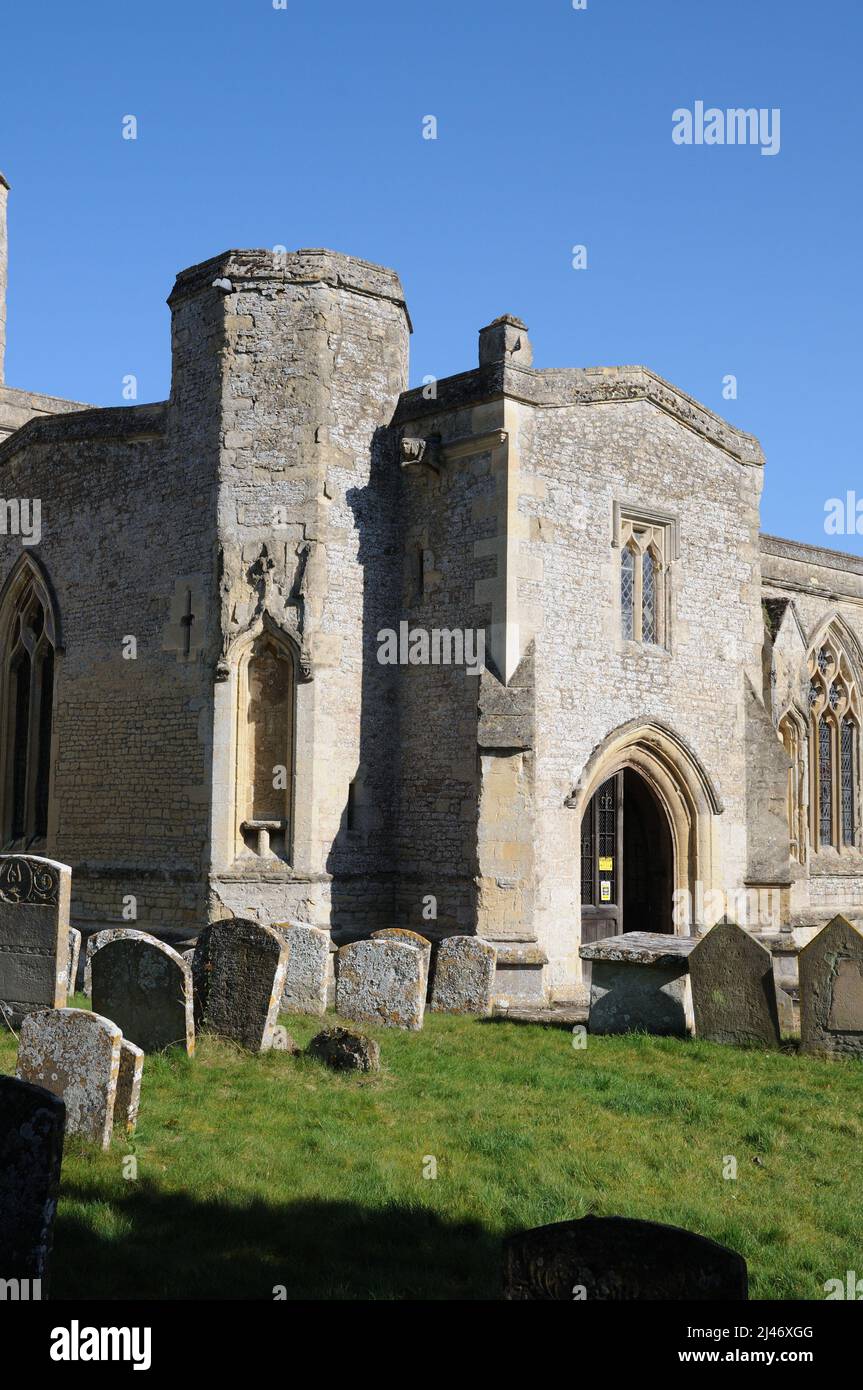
(292, 486)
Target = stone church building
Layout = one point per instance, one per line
(194, 713)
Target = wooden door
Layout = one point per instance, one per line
(602, 864)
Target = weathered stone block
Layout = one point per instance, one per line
(733, 989)
(306, 980)
(76, 1055)
(242, 967)
(128, 1088)
(831, 990)
(381, 982)
(34, 935)
(74, 958)
(639, 982)
(145, 987)
(345, 1051)
(32, 1121)
(464, 976)
(617, 1258)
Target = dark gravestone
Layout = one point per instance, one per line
(831, 990)
(614, 1258)
(31, 1151)
(240, 971)
(733, 990)
(144, 987)
(34, 935)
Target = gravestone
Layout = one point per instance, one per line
(31, 1152)
(639, 983)
(306, 981)
(34, 935)
(128, 1088)
(76, 1055)
(345, 1051)
(242, 967)
(615, 1258)
(733, 990)
(381, 982)
(145, 987)
(831, 990)
(94, 944)
(74, 957)
(410, 938)
(463, 980)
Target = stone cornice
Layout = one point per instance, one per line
(128, 423)
(806, 554)
(558, 387)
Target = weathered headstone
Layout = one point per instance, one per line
(94, 943)
(34, 935)
(463, 980)
(128, 1088)
(145, 987)
(410, 938)
(831, 990)
(733, 990)
(242, 967)
(76, 1055)
(31, 1152)
(74, 957)
(345, 1051)
(306, 982)
(617, 1258)
(381, 982)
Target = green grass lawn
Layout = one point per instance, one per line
(254, 1172)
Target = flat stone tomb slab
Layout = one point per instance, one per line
(831, 990)
(34, 935)
(76, 1055)
(381, 982)
(145, 987)
(639, 982)
(242, 967)
(32, 1122)
(733, 988)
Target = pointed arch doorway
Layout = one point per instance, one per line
(627, 860)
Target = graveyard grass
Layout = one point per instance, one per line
(259, 1172)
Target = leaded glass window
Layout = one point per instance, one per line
(648, 597)
(627, 593)
(825, 782)
(847, 774)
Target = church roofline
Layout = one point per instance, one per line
(805, 552)
(564, 386)
(119, 422)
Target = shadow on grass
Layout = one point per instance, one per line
(167, 1245)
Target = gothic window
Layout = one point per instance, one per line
(265, 744)
(28, 644)
(834, 716)
(643, 572)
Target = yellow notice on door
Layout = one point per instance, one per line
(606, 864)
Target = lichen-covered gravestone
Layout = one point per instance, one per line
(463, 980)
(615, 1258)
(31, 1152)
(381, 982)
(76, 1055)
(410, 938)
(733, 990)
(831, 990)
(242, 967)
(128, 1088)
(34, 935)
(306, 981)
(145, 987)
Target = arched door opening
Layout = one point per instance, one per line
(627, 860)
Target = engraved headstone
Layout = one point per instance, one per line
(31, 1152)
(309, 954)
(75, 1054)
(616, 1258)
(128, 1088)
(242, 967)
(34, 935)
(145, 987)
(733, 989)
(381, 982)
(463, 980)
(831, 990)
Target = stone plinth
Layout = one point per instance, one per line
(639, 982)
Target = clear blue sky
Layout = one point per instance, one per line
(302, 127)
